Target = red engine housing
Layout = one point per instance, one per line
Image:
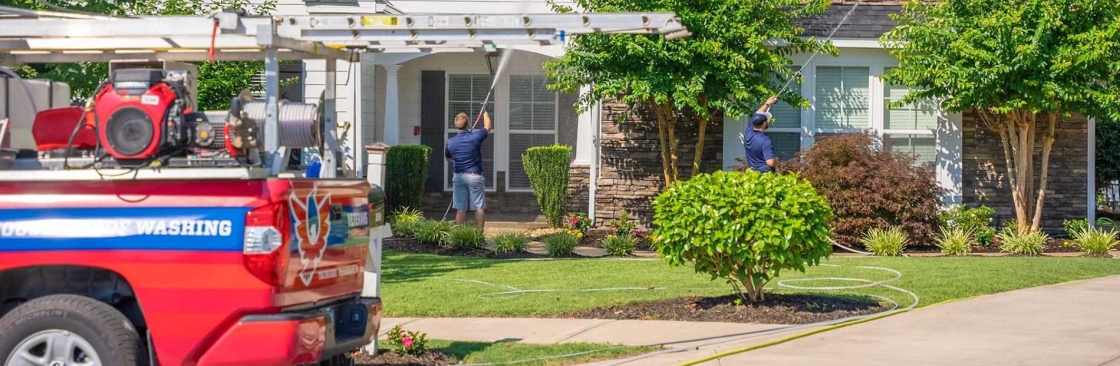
(133, 127)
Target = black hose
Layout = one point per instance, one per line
(70, 143)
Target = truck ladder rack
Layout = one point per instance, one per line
(43, 37)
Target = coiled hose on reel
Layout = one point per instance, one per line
(299, 123)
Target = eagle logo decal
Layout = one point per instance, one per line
(312, 224)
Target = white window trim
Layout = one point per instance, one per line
(555, 133)
(448, 185)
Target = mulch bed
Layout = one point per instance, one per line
(594, 238)
(1054, 245)
(777, 309)
(388, 358)
(412, 245)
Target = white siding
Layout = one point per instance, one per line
(868, 104)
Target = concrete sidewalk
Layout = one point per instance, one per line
(552, 331)
(1070, 324)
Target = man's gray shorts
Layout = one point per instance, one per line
(469, 189)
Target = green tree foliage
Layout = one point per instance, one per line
(1108, 156)
(745, 227)
(734, 60)
(1016, 62)
(218, 82)
(547, 168)
(406, 170)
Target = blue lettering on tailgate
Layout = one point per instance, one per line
(171, 228)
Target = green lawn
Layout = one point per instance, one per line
(484, 353)
(428, 286)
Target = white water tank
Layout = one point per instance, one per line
(15, 106)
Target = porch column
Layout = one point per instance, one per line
(392, 135)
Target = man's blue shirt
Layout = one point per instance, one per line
(759, 149)
(465, 150)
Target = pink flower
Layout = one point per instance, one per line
(407, 342)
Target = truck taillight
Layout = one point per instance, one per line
(265, 243)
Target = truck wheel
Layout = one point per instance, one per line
(68, 330)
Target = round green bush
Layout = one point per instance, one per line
(745, 227)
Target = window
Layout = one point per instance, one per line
(910, 128)
(923, 146)
(842, 98)
(464, 95)
(532, 122)
(786, 144)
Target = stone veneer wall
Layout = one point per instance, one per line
(985, 171)
(630, 175)
(517, 206)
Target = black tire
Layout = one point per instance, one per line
(106, 330)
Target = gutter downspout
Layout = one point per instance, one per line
(593, 175)
(1091, 206)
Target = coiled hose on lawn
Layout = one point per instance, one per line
(793, 284)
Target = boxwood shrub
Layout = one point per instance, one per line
(547, 168)
(406, 170)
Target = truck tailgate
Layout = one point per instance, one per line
(328, 237)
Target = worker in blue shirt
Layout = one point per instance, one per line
(759, 148)
(464, 152)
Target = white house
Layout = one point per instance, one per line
(411, 97)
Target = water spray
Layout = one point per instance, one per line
(495, 76)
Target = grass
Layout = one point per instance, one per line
(428, 285)
(478, 353)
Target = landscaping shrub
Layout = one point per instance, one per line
(434, 232)
(547, 168)
(1011, 241)
(405, 221)
(508, 242)
(954, 241)
(466, 237)
(560, 244)
(868, 187)
(405, 343)
(977, 220)
(406, 170)
(1074, 227)
(885, 242)
(618, 245)
(745, 227)
(1095, 241)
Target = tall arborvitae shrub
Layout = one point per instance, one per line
(547, 168)
(406, 169)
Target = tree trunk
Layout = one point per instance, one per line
(674, 148)
(1018, 133)
(1048, 144)
(754, 291)
(698, 155)
(662, 134)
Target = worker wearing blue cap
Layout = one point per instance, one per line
(760, 150)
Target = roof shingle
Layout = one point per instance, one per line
(869, 20)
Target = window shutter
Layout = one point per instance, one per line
(432, 101)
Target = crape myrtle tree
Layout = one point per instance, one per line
(218, 82)
(1021, 64)
(734, 60)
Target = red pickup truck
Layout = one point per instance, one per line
(186, 271)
